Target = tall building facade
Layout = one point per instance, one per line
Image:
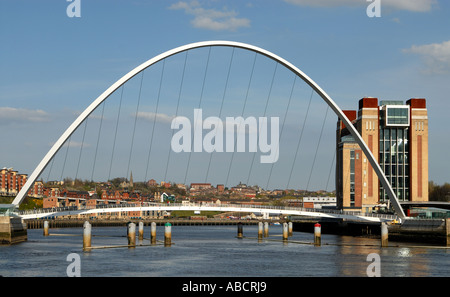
(397, 135)
(11, 182)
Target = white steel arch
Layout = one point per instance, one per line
(368, 217)
(386, 185)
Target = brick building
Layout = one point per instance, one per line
(200, 186)
(397, 135)
(11, 182)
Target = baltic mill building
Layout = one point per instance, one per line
(396, 132)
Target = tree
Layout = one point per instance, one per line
(438, 193)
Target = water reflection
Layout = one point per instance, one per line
(215, 251)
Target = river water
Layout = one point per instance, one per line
(214, 251)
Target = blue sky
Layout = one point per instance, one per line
(53, 66)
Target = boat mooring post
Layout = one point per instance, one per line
(167, 234)
(45, 228)
(260, 230)
(290, 228)
(384, 235)
(285, 232)
(240, 233)
(131, 235)
(153, 233)
(141, 231)
(266, 229)
(317, 234)
(87, 236)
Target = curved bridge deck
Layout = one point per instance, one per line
(260, 209)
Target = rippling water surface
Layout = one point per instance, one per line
(215, 251)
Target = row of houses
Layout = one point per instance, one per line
(243, 191)
(11, 183)
(205, 189)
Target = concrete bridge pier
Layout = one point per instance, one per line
(12, 230)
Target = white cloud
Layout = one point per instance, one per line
(415, 6)
(436, 56)
(160, 117)
(76, 144)
(325, 3)
(72, 144)
(211, 19)
(11, 114)
(409, 5)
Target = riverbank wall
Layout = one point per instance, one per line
(419, 231)
(12, 230)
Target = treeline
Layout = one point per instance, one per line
(438, 192)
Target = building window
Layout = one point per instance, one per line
(397, 116)
(352, 178)
(394, 160)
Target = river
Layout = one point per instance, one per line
(214, 251)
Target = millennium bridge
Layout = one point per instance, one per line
(264, 210)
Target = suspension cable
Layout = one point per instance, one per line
(81, 148)
(154, 119)
(300, 139)
(221, 106)
(242, 114)
(176, 112)
(115, 134)
(98, 141)
(265, 110)
(65, 158)
(134, 127)
(50, 170)
(282, 127)
(331, 169)
(199, 105)
(317, 148)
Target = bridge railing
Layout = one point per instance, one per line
(47, 210)
(236, 206)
